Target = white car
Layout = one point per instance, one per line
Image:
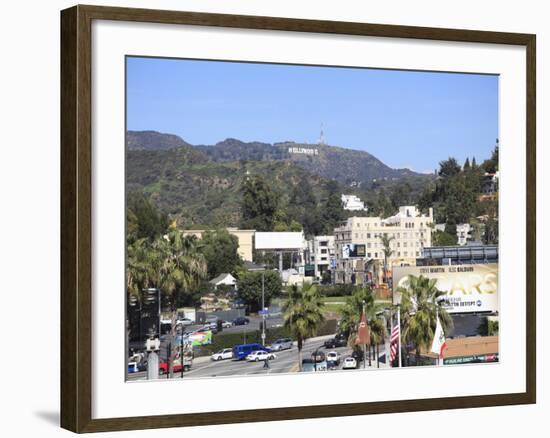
(349, 363)
(333, 357)
(227, 324)
(226, 353)
(184, 321)
(258, 355)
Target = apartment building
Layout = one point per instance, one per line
(320, 252)
(408, 230)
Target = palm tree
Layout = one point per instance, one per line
(386, 243)
(180, 268)
(364, 299)
(303, 314)
(421, 305)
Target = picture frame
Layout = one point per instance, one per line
(77, 172)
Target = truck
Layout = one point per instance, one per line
(183, 360)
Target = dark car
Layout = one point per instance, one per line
(318, 356)
(337, 341)
(241, 320)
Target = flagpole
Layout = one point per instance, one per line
(364, 345)
(436, 322)
(399, 337)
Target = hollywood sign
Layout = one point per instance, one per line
(304, 151)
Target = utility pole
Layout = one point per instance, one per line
(263, 307)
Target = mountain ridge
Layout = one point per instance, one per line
(347, 166)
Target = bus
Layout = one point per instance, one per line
(242, 350)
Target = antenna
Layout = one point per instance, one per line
(321, 137)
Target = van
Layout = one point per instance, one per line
(242, 350)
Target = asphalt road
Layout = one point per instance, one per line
(285, 362)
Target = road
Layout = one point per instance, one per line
(285, 362)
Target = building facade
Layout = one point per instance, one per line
(245, 238)
(352, 203)
(408, 230)
(320, 252)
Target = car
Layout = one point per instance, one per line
(333, 359)
(241, 351)
(349, 363)
(241, 320)
(337, 341)
(184, 321)
(227, 324)
(226, 353)
(282, 344)
(258, 355)
(318, 356)
(163, 367)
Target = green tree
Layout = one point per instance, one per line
(249, 285)
(259, 204)
(220, 250)
(332, 211)
(303, 314)
(442, 238)
(421, 305)
(466, 164)
(448, 168)
(170, 264)
(143, 219)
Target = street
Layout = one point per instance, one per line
(285, 362)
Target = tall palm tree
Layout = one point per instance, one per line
(421, 305)
(364, 299)
(386, 243)
(303, 314)
(180, 268)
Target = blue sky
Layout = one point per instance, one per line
(406, 119)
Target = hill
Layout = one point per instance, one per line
(153, 141)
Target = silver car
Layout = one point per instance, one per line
(282, 344)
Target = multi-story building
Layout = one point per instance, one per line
(320, 252)
(408, 230)
(245, 238)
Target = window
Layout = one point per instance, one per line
(375, 255)
(368, 235)
(323, 243)
(368, 245)
(404, 244)
(324, 251)
(368, 255)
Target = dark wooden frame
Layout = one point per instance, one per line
(76, 178)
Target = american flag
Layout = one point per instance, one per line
(394, 340)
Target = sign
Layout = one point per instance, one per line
(352, 250)
(471, 359)
(263, 312)
(468, 288)
(279, 240)
(200, 338)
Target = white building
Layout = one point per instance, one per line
(320, 251)
(352, 203)
(463, 233)
(408, 230)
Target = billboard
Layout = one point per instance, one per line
(279, 240)
(352, 250)
(468, 288)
